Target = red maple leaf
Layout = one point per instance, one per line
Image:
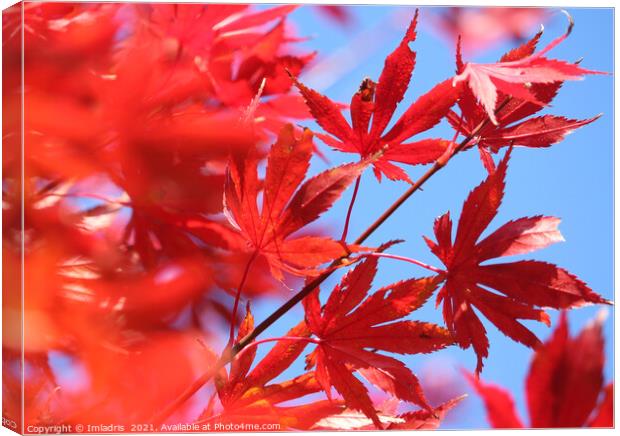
(252, 396)
(526, 286)
(353, 326)
(515, 77)
(424, 419)
(286, 206)
(372, 108)
(564, 386)
(387, 411)
(338, 13)
(542, 131)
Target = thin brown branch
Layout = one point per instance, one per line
(345, 231)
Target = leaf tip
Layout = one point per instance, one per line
(571, 22)
(601, 316)
(460, 398)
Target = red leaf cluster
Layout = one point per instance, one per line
(517, 72)
(521, 84)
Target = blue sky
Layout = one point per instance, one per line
(572, 180)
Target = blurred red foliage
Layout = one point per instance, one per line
(132, 113)
(483, 28)
(564, 385)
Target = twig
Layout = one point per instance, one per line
(233, 317)
(281, 338)
(345, 231)
(406, 259)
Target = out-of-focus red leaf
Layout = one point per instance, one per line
(499, 404)
(604, 416)
(566, 377)
(484, 27)
(236, 22)
(564, 385)
(117, 372)
(145, 297)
